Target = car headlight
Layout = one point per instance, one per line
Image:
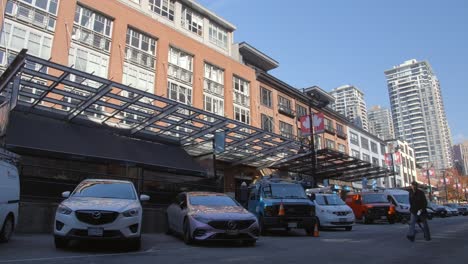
(202, 219)
(131, 213)
(62, 209)
(269, 210)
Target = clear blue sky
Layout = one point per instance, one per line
(334, 42)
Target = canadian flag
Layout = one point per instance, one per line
(397, 158)
(317, 122)
(388, 159)
(431, 172)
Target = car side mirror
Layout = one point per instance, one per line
(66, 194)
(144, 197)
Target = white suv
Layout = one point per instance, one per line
(100, 210)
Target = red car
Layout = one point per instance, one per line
(371, 206)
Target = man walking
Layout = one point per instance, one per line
(418, 205)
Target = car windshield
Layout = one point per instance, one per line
(402, 198)
(285, 191)
(105, 189)
(328, 200)
(212, 200)
(374, 198)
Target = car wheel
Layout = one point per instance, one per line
(7, 230)
(249, 243)
(365, 219)
(60, 242)
(168, 227)
(263, 229)
(135, 244)
(348, 228)
(187, 233)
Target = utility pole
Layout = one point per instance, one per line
(429, 183)
(445, 186)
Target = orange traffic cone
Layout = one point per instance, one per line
(316, 230)
(281, 210)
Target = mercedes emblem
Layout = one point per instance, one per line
(231, 225)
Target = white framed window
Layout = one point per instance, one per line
(17, 37)
(241, 91)
(41, 13)
(330, 144)
(92, 28)
(214, 80)
(355, 153)
(89, 61)
(180, 65)
(365, 157)
(242, 114)
(139, 78)
(286, 130)
(341, 148)
(192, 21)
(213, 104)
(164, 8)
(140, 48)
(218, 36)
(267, 123)
(179, 93)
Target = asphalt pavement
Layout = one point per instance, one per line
(376, 243)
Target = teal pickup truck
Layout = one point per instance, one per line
(278, 203)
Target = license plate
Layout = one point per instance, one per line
(383, 217)
(95, 231)
(232, 232)
(342, 219)
(292, 225)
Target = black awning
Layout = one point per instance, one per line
(331, 164)
(39, 133)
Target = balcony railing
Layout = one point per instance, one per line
(241, 99)
(286, 110)
(214, 88)
(341, 134)
(31, 15)
(139, 57)
(180, 73)
(91, 38)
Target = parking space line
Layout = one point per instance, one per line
(73, 257)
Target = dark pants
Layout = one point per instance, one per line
(425, 226)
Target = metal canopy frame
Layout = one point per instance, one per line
(46, 87)
(331, 164)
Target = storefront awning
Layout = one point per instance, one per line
(43, 87)
(331, 164)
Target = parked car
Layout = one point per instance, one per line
(278, 203)
(371, 206)
(9, 194)
(439, 210)
(462, 210)
(430, 213)
(400, 199)
(451, 211)
(332, 212)
(100, 210)
(204, 216)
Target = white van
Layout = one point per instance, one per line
(331, 211)
(400, 199)
(9, 194)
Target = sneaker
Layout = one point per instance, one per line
(410, 238)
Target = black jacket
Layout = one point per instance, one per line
(417, 200)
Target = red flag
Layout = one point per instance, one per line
(388, 159)
(319, 122)
(305, 125)
(397, 158)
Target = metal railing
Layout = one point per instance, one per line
(213, 87)
(180, 73)
(139, 57)
(32, 15)
(91, 38)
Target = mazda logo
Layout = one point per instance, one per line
(231, 225)
(96, 215)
